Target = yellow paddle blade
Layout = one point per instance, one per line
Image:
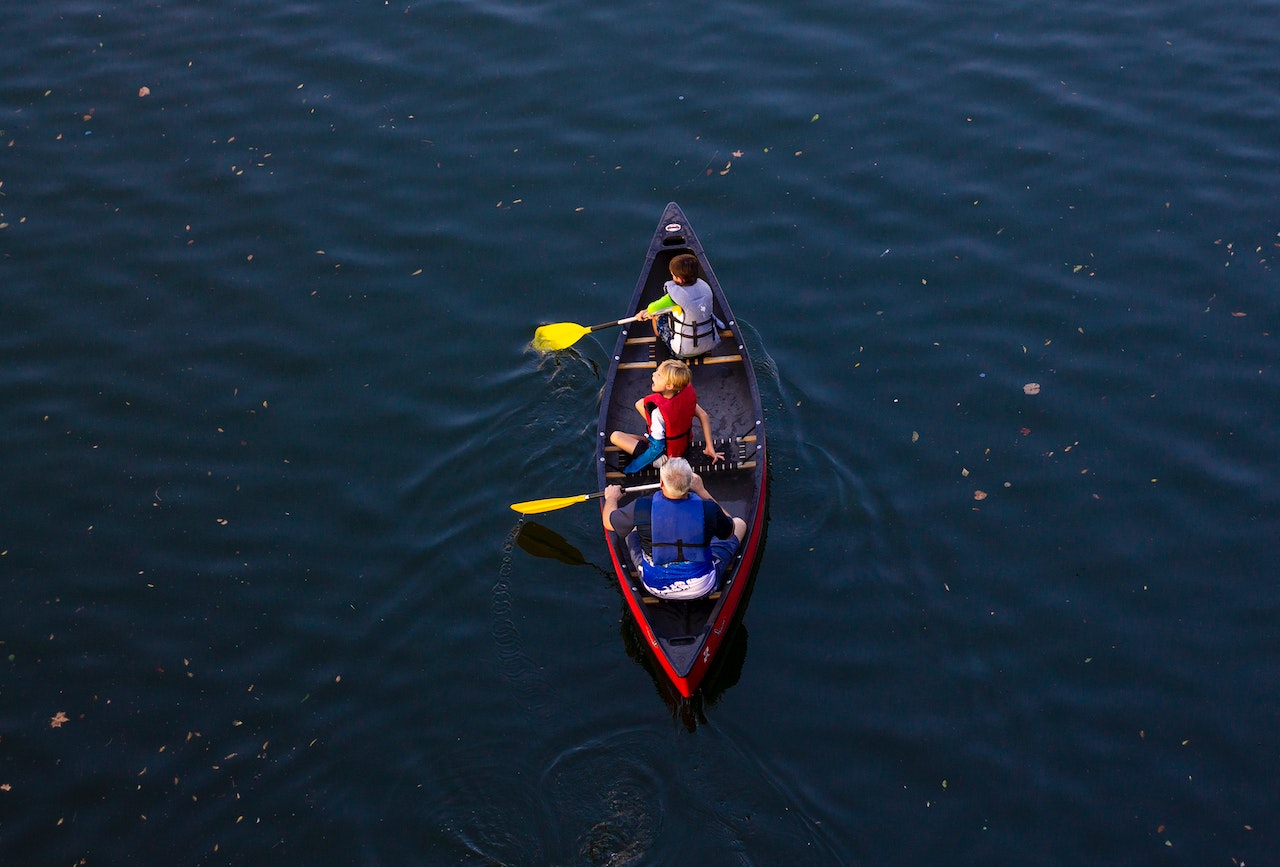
(558, 335)
(550, 504)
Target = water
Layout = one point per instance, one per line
(266, 393)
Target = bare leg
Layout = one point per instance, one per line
(625, 441)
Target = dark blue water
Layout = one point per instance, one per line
(268, 276)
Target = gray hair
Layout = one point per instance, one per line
(677, 475)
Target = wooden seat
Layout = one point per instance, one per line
(738, 455)
(657, 352)
(717, 359)
(697, 446)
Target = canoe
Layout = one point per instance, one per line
(684, 636)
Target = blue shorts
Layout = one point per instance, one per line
(648, 456)
(663, 327)
(722, 553)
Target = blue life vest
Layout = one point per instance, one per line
(681, 548)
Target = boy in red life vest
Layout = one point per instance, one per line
(680, 539)
(668, 413)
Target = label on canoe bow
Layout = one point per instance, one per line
(673, 227)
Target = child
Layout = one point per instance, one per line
(692, 331)
(668, 413)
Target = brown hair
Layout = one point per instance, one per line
(684, 268)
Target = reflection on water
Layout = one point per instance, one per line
(689, 712)
(521, 672)
(608, 801)
(541, 541)
(725, 671)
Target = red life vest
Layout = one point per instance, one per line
(677, 413)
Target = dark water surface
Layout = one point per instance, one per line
(266, 394)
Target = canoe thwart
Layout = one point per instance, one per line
(707, 468)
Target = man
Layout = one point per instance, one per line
(680, 539)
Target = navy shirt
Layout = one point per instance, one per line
(716, 522)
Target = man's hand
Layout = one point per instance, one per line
(612, 494)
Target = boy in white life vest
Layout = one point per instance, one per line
(691, 329)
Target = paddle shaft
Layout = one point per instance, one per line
(613, 323)
(635, 318)
(550, 504)
(598, 494)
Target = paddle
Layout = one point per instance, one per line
(537, 507)
(543, 542)
(562, 335)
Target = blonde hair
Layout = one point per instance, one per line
(677, 475)
(675, 373)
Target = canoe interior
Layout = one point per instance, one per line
(726, 389)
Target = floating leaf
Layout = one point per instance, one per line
(1031, 388)
(979, 495)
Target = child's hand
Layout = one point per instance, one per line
(711, 452)
(644, 315)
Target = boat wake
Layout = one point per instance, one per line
(517, 668)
